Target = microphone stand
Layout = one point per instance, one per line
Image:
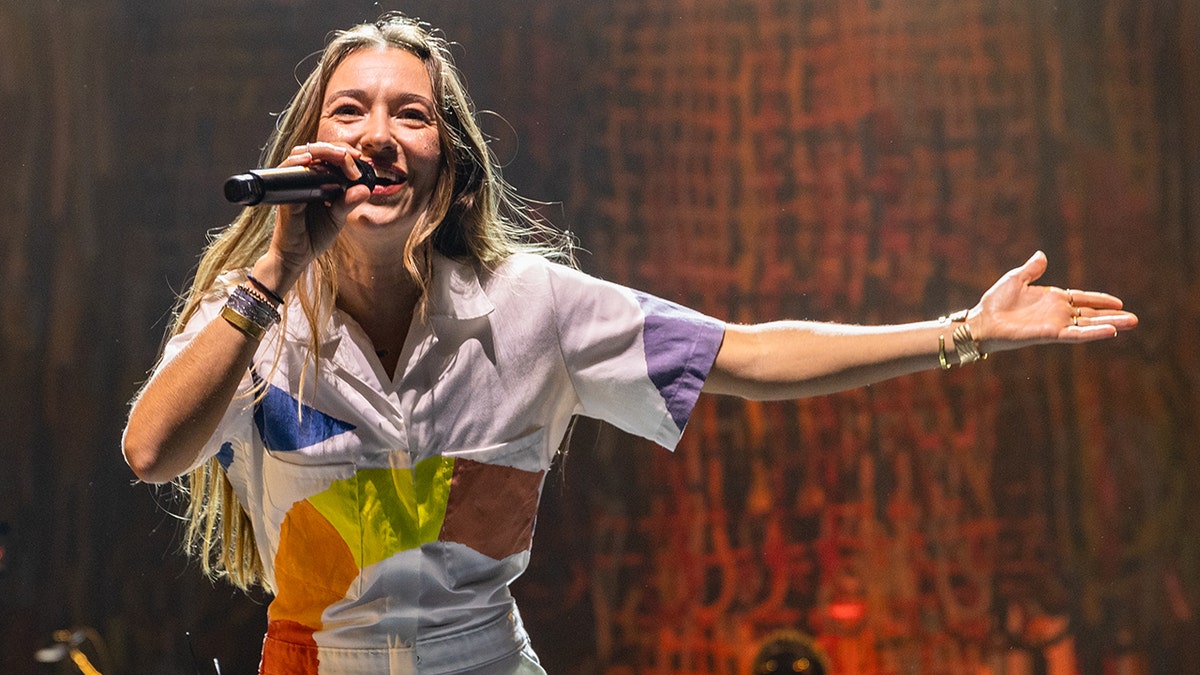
(81, 661)
(67, 644)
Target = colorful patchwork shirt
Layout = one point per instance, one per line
(392, 513)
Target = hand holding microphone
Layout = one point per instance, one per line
(311, 174)
(296, 184)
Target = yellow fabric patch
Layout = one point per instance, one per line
(380, 512)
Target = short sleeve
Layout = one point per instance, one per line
(234, 432)
(635, 360)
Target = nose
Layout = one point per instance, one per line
(377, 134)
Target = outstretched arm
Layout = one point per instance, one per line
(792, 359)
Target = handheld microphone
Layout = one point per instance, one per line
(295, 184)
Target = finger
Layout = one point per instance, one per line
(1095, 300)
(1033, 269)
(1119, 320)
(332, 153)
(355, 195)
(350, 168)
(1083, 333)
(299, 156)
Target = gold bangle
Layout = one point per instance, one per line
(966, 345)
(942, 352)
(957, 317)
(244, 324)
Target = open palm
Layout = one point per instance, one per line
(1014, 313)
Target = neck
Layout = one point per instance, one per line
(377, 291)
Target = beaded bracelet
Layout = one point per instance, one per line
(271, 295)
(256, 296)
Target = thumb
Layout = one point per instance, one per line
(1033, 269)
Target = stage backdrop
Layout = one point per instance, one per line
(851, 160)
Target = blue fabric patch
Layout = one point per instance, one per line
(225, 455)
(681, 345)
(285, 424)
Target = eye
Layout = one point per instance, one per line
(414, 115)
(344, 110)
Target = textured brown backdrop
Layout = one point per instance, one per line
(859, 160)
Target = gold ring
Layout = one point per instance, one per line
(1075, 320)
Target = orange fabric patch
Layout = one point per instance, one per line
(492, 508)
(313, 568)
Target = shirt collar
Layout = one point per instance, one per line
(454, 293)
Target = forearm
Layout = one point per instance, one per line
(793, 359)
(180, 408)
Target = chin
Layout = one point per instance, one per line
(375, 219)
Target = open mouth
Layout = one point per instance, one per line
(388, 177)
(378, 177)
(384, 181)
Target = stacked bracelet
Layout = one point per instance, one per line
(965, 344)
(251, 329)
(271, 295)
(250, 312)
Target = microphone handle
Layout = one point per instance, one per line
(294, 184)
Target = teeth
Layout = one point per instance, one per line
(388, 177)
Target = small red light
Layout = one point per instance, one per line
(848, 611)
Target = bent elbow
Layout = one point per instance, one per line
(145, 458)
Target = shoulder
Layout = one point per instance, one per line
(525, 273)
(526, 265)
(571, 291)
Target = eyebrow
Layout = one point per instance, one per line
(359, 94)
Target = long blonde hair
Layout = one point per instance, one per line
(474, 215)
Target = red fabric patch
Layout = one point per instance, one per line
(289, 650)
(492, 508)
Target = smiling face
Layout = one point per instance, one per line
(380, 101)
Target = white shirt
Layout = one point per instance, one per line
(391, 514)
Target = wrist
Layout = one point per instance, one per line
(959, 341)
(273, 277)
(250, 311)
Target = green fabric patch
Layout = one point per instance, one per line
(381, 512)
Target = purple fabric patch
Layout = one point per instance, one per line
(681, 345)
